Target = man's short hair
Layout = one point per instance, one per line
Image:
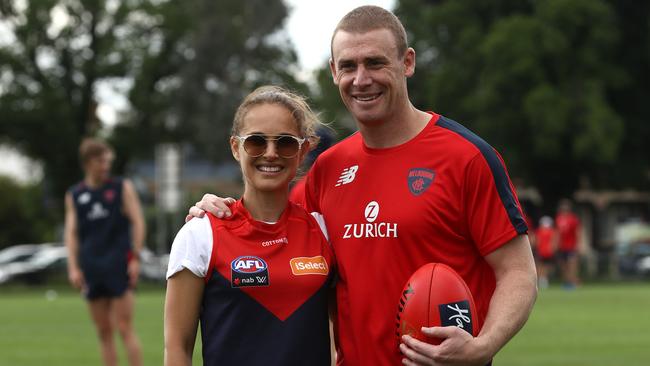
(368, 18)
(91, 148)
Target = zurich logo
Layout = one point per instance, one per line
(372, 211)
(419, 180)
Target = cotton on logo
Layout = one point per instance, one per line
(372, 211)
(347, 176)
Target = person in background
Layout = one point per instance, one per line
(568, 227)
(546, 244)
(104, 234)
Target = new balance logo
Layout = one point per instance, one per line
(347, 176)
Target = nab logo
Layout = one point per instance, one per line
(347, 176)
(372, 211)
(248, 271)
(456, 314)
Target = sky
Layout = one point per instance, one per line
(311, 23)
(309, 26)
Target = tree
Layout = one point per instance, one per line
(224, 50)
(22, 219)
(50, 72)
(188, 64)
(536, 79)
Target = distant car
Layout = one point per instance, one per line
(49, 259)
(35, 263)
(634, 259)
(153, 267)
(19, 253)
(644, 266)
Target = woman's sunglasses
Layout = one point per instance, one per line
(287, 146)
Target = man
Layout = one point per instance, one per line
(104, 234)
(568, 227)
(411, 187)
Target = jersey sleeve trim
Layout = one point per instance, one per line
(501, 180)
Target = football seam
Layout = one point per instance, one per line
(433, 270)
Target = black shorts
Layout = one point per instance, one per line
(547, 260)
(566, 254)
(106, 287)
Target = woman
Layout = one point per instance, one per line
(257, 282)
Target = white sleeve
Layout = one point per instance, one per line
(321, 222)
(192, 248)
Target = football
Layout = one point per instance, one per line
(435, 295)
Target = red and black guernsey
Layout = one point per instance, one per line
(104, 231)
(265, 299)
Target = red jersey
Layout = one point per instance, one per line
(545, 236)
(444, 196)
(297, 192)
(567, 225)
(265, 300)
(267, 285)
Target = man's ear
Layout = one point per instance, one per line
(234, 147)
(409, 62)
(333, 71)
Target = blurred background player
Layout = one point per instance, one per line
(259, 282)
(104, 235)
(545, 245)
(568, 226)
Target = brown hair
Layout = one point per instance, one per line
(306, 119)
(91, 148)
(368, 18)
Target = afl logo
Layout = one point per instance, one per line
(372, 211)
(248, 264)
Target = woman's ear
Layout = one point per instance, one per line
(304, 150)
(234, 147)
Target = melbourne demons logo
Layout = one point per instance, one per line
(248, 270)
(109, 195)
(370, 229)
(419, 180)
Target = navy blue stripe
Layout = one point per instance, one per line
(501, 180)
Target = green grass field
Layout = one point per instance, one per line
(594, 325)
